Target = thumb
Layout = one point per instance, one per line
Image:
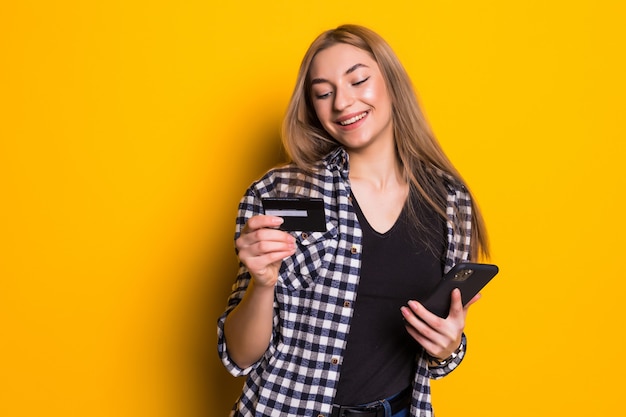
(456, 303)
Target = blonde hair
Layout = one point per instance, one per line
(307, 142)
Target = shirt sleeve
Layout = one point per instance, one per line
(239, 289)
(438, 372)
(459, 211)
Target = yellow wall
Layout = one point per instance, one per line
(129, 130)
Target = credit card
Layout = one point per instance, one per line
(299, 214)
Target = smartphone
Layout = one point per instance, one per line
(299, 214)
(469, 277)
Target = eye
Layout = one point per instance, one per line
(361, 81)
(323, 96)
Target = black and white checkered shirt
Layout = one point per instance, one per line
(316, 289)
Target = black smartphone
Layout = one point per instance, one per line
(469, 277)
(299, 214)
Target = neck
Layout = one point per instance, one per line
(379, 167)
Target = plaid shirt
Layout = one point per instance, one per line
(314, 297)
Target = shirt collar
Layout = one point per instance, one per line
(338, 159)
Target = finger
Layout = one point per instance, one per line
(269, 246)
(252, 239)
(416, 327)
(416, 335)
(264, 268)
(412, 313)
(426, 323)
(427, 337)
(456, 303)
(262, 221)
(262, 262)
(254, 252)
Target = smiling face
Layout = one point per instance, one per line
(350, 97)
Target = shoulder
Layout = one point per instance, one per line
(290, 179)
(457, 193)
(282, 178)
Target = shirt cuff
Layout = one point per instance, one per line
(437, 372)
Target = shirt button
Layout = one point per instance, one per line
(305, 235)
(354, 250)
(346, 303)
(334, 361)
(320, 415)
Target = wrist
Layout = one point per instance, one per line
(437, 362)
(263, 283)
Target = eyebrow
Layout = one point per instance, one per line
(348, 71)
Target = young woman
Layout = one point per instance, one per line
(327, 323)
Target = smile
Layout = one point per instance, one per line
(353, 119)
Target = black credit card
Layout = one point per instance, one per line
(299, 214)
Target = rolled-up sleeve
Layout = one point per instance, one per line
(437, 372)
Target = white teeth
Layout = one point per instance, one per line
(353, 119)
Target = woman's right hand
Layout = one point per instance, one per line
(262, 247)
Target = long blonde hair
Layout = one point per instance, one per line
(307, 142)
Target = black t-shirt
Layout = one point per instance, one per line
(397, 266)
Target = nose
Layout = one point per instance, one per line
(343, 99)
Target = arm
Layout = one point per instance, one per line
(442, 337)
(248, 327)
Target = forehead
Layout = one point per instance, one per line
(339, 58)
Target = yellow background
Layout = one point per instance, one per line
(129, 130)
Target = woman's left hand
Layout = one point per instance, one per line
(438, 336)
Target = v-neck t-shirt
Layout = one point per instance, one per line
(398, 265)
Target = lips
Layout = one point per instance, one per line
(351, 119)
